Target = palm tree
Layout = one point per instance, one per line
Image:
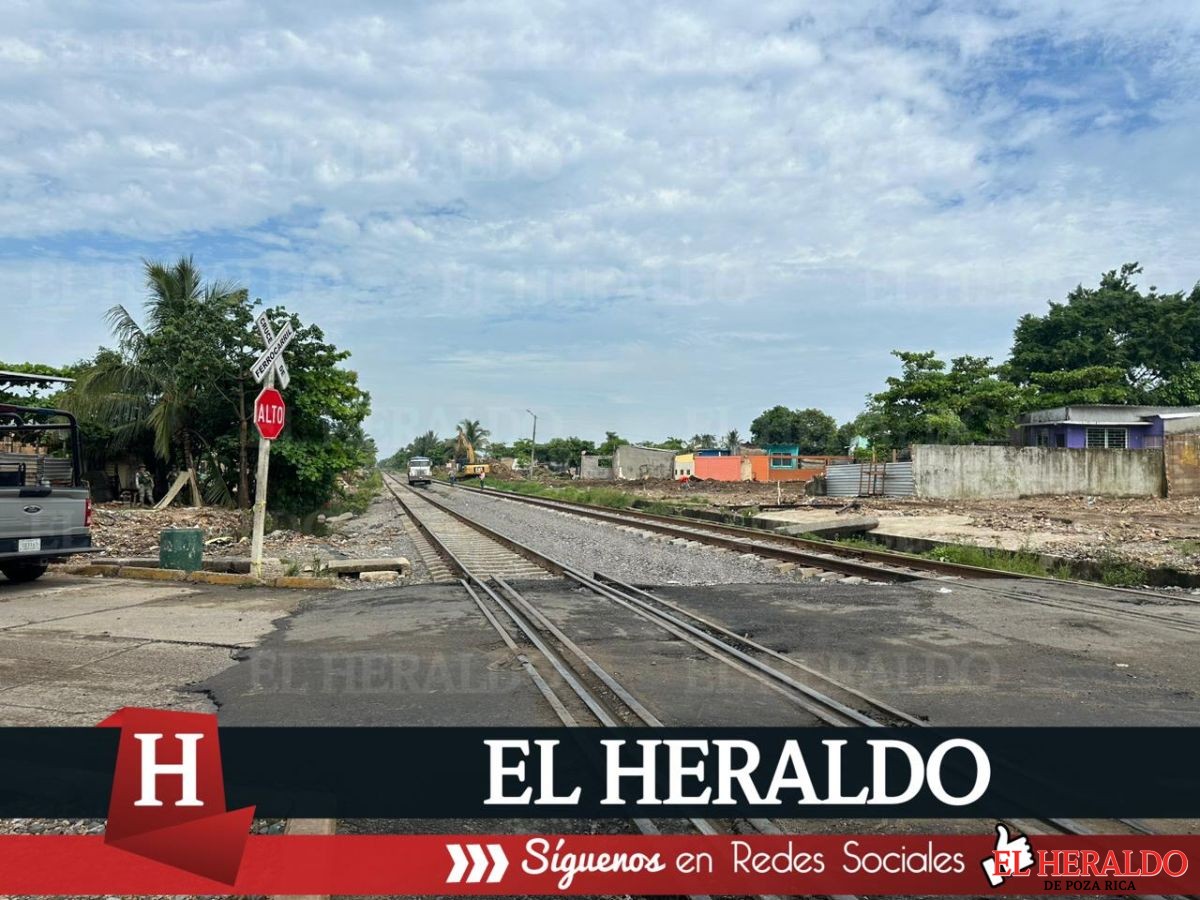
(474, 433)
(426, 444)
(147, 383)
(733, 441)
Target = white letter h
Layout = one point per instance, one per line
(151, 769)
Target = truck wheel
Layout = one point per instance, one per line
(19, 572)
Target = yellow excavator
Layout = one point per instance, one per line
(464, 449)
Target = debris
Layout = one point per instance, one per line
(379, 577)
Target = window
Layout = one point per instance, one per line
(1043, 439)
(1110, 438)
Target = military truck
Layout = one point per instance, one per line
(45, 507)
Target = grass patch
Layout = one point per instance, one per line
(1002, 560)
(1120, 573)
(359, 497)
(850, 540)
(597, 496)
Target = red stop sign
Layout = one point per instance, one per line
(269, 413)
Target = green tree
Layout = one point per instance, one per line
(813, 430)
(565, 451)
(324, 435)
(733, 440)
(181, 378)
(928, 403)
(1150, 337)
(475, 433)
(612, 441)
(164, 373)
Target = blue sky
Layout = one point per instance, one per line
(655, 219)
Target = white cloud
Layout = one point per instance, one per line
(696, 170)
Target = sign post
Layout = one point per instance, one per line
(269, 416)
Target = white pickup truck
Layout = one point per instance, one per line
(45, 508)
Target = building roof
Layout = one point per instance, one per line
(1103, 415)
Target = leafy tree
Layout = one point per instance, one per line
(1183, 389)
(813, 430)
(679, 445)
(324, 435)
(774, 426)
(612, 441)
(733, 441)
(928, 403)
(181, 377)
(164, 373)
(702, 442)
(1149, 337)
(1090, 384)
(565, 451)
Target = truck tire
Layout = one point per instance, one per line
(19, 572)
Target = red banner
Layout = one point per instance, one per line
(624, 864)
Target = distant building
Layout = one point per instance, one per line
(631, 462)
(1105, 427)
(685, 465)
(782, 456)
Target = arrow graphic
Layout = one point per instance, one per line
(476, 857)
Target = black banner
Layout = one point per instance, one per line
(452, 773)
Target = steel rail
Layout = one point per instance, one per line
(604, 586)
(699, 528)
(977, 575)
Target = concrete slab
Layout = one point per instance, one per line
(414, 655)
(72, 651)
(233, 621)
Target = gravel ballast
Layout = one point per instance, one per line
(591, 545)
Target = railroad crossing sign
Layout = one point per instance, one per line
(269, 416)
(272, 357)
(270, 412)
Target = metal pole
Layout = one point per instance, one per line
(260, 498)
(533, 443)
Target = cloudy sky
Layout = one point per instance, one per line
(655, 219)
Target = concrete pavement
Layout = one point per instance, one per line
(73, 650)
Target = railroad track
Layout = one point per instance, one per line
(890, 566)
(439, 526)
(582, 692)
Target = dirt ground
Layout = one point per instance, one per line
(1149, 531)
(125, 531)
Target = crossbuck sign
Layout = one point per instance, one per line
(272, 357)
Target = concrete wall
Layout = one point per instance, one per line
(1182, 456)
(954, 472)
(719, 468)
(590, 468)
(632, 463)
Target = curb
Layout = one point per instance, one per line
(147, 573)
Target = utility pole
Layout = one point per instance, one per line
(533, 443)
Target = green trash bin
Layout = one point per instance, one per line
(181, 548)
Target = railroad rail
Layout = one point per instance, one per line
(888, 565)
(609, 703)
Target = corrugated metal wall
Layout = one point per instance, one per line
(894, 479)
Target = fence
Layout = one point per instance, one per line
(889, 479)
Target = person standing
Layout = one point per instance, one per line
(144, 483)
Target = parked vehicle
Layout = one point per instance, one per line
(420, 470)
(45, 507)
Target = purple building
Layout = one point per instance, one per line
(1105, 427)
